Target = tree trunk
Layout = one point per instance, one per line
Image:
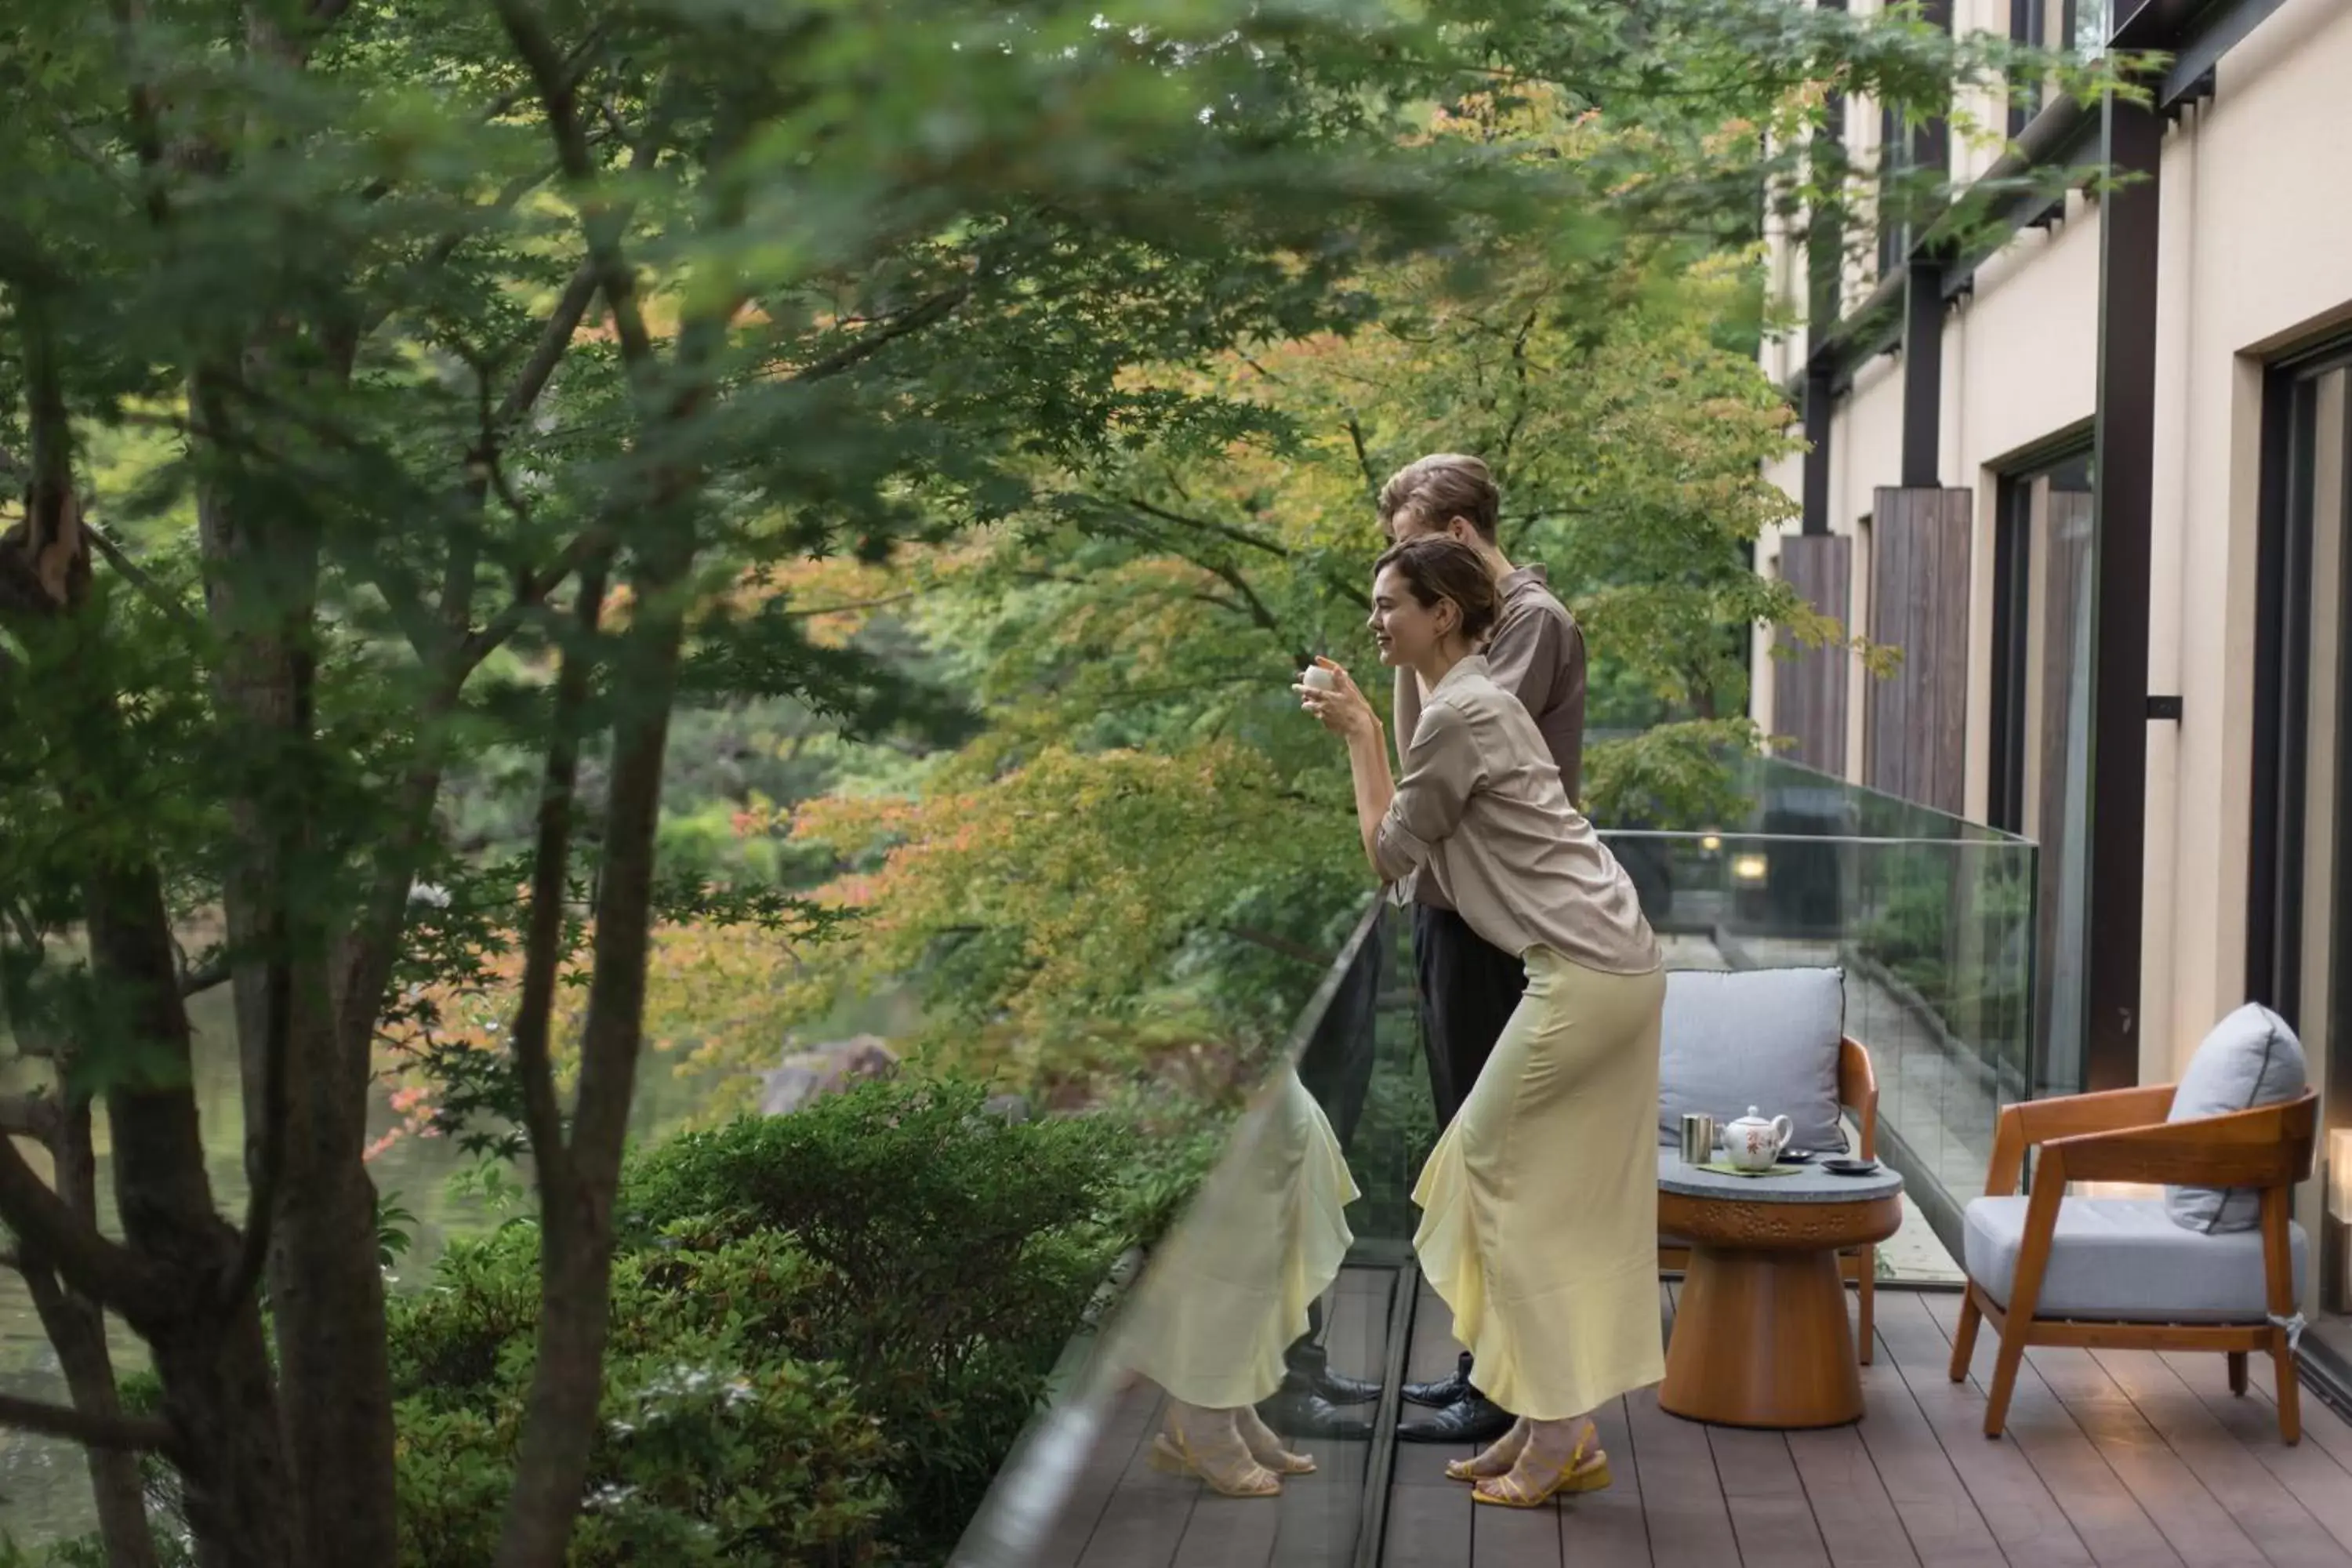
(76, 1326)
(576, 1202)
(326, 1285)
(209, 1354)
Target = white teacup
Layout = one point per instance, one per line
(1753, 1143)
(1318, 677)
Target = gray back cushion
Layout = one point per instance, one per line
(1765, 1037)
(2251, 1058)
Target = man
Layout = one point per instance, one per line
(1468, 988)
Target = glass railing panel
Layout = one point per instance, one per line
(1935, 937)
(1932, 930)
(1278, 1288)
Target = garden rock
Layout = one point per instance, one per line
(828, 1069)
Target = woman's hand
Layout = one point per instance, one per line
(1342, 708)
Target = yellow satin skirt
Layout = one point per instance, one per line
(1539, 1205)
(1228, 1292)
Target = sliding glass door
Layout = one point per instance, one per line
(2299, 953)
(2041, 731)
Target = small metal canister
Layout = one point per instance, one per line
(1698, 1138)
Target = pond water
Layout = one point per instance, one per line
(44, 1485)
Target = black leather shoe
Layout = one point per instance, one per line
(1473, 1418)
(1308, 1371)
(1444, 1391)
(1295, 1413)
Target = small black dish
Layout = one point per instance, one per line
(1796, 1156)
(1851, 1167)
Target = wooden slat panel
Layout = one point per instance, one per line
(2029, 1525)
(1808, 689)
(1916, 726)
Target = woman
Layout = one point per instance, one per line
(1539, 1204)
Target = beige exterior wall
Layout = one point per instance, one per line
(2256, 258)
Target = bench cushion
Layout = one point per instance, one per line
(2125, 1260)
(1765, 1037)
(2251, 1057)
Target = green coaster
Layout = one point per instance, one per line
(1722, 1168)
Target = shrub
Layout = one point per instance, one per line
(943, 1258)
(718, 1445)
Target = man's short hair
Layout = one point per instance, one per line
(1440, 488)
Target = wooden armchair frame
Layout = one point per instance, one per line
(1857, 1093)
(2122, 1136)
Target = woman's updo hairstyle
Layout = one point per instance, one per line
(1437, 566)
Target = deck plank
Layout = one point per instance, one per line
(1429, 1527)
(2098, 1492)
(2271, 1517)
(2111, 1458)
(1145, 1521)
(2321, 1424)
(1770, 1511)
(1317, 1517)
(1133, 1416)
(1858, 1521)
(2026, 1521)
(1939, 1519)
(1607, 1529)
(2319, 1481)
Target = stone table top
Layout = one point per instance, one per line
(1809, 1185)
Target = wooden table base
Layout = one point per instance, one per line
(1760, 1339)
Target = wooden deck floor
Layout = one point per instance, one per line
(2112, 1457)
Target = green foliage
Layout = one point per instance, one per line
(940, 1256)
(827, 1329)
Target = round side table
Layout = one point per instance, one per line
(1760, 1335)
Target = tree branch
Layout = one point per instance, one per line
(1283, 945)
(106, 1271)
(600, 220)
(554, 341)
(151, 591)
(28, 1116)
(530, 593)
(204, 977)
(135, 1433)
(1238, 535)
(906, 325)
(551, 876)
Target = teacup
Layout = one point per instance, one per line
(1319, 679)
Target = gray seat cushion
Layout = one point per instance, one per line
(2123, 1260)
(2250, 1059)
(1765, 1037)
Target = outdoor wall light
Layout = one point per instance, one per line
(2334, 1255)
(1747, 867)
(1712, 843)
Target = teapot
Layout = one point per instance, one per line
(1753, 1143)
